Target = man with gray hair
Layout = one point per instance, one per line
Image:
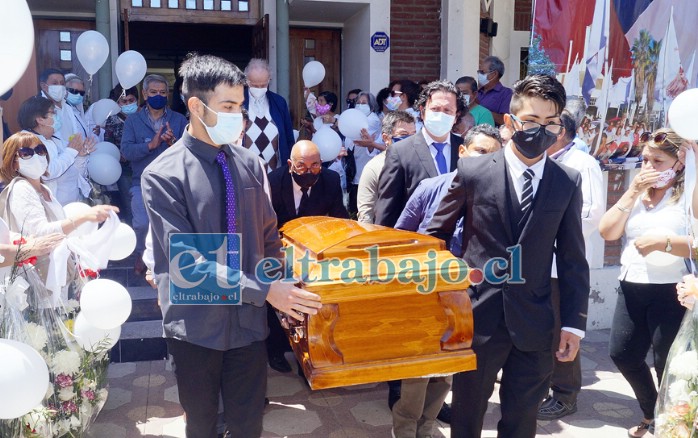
(147, 134)
(576, 108)
(271, 132)
(492, 94)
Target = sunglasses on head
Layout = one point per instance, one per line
(657, 139)
(395, 93)
(27, 153)
(74, 91)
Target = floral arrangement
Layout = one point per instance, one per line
(78, 379)
(678, 395)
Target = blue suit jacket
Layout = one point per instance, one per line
(280, 115)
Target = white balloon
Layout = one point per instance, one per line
(661, 258)
(104, 169)
(102, 109)
(105, 303)
(123, 243)
(329, 143)
(682, 114)
(351, 122)
(92, 50)
(313, 73)
(91, 338)
(130, 68)
(107, 148)
(16, 41)
(23, 379)
(76, 209)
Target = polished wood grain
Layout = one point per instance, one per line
(373, 326)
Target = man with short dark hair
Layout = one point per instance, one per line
(567, 376)
(203, 185)
(147, 134)
(519, 208)
(492, 94)
(52, 86)
(468, 86)
(431, 152)
(396, 126)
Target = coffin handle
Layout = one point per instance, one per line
(459, 314)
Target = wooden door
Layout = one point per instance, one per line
(55, 47)
(260, 38)
(313, 45)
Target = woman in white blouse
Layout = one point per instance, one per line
(66, 170)
(651, 217)
(27, 205)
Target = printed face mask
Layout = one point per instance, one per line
(322, 109)
(393, 103)
(665, 178)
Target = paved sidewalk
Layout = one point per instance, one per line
(143, 403)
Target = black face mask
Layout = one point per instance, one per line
(305, 180)
(533, 145)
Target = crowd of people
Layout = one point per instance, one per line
(488, 169)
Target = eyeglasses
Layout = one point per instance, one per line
(395, 93)
(301, 168)
(533, 127)
(27, 153)
(74, 91)
(351, 101)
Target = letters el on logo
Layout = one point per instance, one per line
(205, 268)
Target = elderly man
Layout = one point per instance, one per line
(468, 86)
(396, 126)
(300, 188)
(147, 134)
(75, 110)
(271, 132)
(492, 94)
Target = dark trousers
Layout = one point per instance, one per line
(352, 208)
(277, 341)
(567, 376)
(646, 315)
(239, 375)
(525, 381)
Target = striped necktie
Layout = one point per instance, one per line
(527, 193)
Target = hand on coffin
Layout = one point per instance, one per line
(292, 300)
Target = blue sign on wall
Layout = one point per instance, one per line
(380, 41)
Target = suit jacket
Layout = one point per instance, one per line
(480, 195)
(325, 197)
(280, 115)
(407, 163)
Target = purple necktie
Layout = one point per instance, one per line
(230, 206)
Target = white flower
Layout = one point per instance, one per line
(15, 293)
(66, 394)
(74, 422)
(71, 305)
(679, 391)
(36, 336)
(63, 426)
(685, 365)
(66, 362)
(85, 414)
(38, 422)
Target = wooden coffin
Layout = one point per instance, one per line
(373, 328)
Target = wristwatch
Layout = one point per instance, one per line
(668, 246)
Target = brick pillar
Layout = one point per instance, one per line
(415, 39)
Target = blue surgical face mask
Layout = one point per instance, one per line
(57, 124)
(75, 99)
(397, 139)
(129, 108)
(157, 102)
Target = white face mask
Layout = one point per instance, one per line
(438, 124)
(466, 97)
(364, 108)
(258, 92)
(482, 79)
(33, 167)
(228, 128)
(56, 92)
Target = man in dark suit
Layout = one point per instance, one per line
(303, 188)
(300, 188)
(431, 152)
(519, 207)
(271, 134)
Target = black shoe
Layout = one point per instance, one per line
(445, 414)
(280, 364)
(552, 409)
(266, 401)
(393, 397)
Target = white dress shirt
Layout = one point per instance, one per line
(432, 150)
